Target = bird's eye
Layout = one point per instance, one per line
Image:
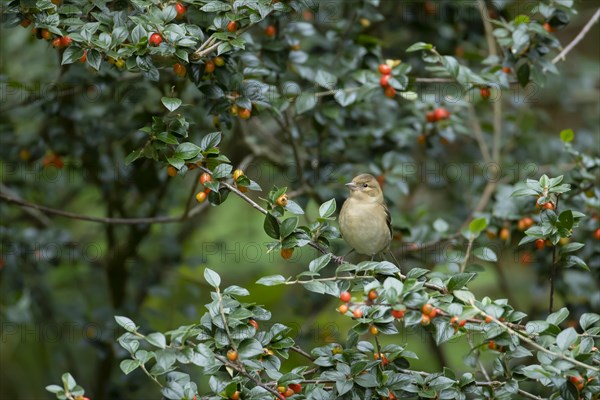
(365, 185)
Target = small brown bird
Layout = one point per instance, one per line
(365, 221)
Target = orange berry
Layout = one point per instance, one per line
(244, 113)
(597, 234)
(492, 345)
(343, 308)
(200, 197)
(372, 295)
(462, 322)
(441, 114)
(504, 234)
(25, 23)
(209, 67)
(83, 58)
(282, 200)
(65, 41)
(548, 27)
(289, 392)
(232, 355)
(485, 92)
(384, 81)
(171, 170)
(526, 258)
(425, 320)
(422, 139)
(46, 35)
(454, 321)
(253, 323)
(235, 395)
(430, 116)
(286, 254)
(373, 329)
(427, 309)
(345, 296)
(525, 223)
(204, 178)
(358, 312)
(398, 314)
(506, 70)
(179, 70)
(488, 319)
(549, 206)
(232, 26)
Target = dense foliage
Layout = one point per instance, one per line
(154, 111)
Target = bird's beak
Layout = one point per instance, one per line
(352, 186)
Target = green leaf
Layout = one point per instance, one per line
(250, 348)
(157, 339)
(54, 388)
(566, 338)
(288, 226)
(212, 278)
(271, 226)
(440, 225)
(574, 260)
(588, 320)
(327, 208)
(186, 151)
(128, 366)
(318, 264)
(559, 316)
(134, 155)
(524, 192)
(477, 225)
(294, 208)
(464, 295)
(565, 220)
(71, 55)
(211, 140)
(485, 254)
(222, 171)
(458, 281)
(126, 323)
(325, 79)
(271, 280)
(419, 46)
(567, 135)
(305, 102)
(68, 381)
(570, 247)
(171, 103)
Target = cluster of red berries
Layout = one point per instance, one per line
(386, 74)
(290, 390)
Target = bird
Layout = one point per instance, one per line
(364, 220)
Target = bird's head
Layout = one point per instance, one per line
(365, 187)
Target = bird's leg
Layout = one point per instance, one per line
(395, 260)
(340, 259)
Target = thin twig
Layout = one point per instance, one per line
(104, 220)
(578, 38)
(477, 131)
(553, 273)
(463, 265)
(302, 352)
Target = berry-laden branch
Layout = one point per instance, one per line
(531, 342)
(242, 371)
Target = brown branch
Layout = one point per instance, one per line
(578, 38)
(104, 220)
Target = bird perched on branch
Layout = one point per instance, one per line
(364, 220)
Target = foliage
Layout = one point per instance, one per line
(213, 87)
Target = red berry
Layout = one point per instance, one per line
(385, 69)
(441, 114)
(540, 244)
(430, 116)
(390, 91)
(181, 9)
(372, 295)
(548, 27)
(83, 58)
(271, 31)
(296, 387)
(485, 92)
(597, 234)
(488, 319)
(289, 392)
(525, 223)
(204, 178)
(398, 314)
(506, 70)
(56, 43)
(286, 254)
(25, 23)
(46, 35)
(232, 26)
(577, 381)
(358, 312)
(549, 206)
(66, 41)
(345, 297)
(253, 323)
(384, 81)
(462, 322)
(454, 321)
(155, 39)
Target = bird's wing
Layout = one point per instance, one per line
(388, 219)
